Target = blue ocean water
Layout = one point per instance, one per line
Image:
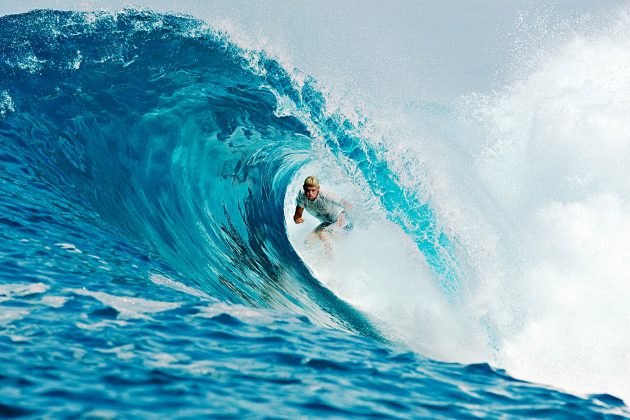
(146, 268)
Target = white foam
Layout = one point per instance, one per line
(19, 338)
(54, 301)
(76, 63)
(252, 315)
(175, 285)
(128, 307)
(556, 163)
(379, 270)
(101, 324)
(10, 290)
(6, 103)
(9, 315)
(124, 352)
(69, 247)
(538, 195)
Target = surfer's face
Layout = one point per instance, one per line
(311, 192)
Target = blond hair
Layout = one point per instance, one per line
(311, 181)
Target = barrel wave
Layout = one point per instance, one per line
(162, 129)
(137, 148)
(174, 135)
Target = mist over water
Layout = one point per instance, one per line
(557, 143)
(520, 146)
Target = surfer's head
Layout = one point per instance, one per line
(311, 187)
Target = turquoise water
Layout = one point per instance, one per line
(146, 268)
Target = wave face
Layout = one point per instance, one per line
(173, 142)
(145, 161)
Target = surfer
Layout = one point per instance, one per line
(331, 210)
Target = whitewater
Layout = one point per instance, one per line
(149, 162)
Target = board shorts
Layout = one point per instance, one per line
(332, 227)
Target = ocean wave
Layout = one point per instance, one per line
(147, 162)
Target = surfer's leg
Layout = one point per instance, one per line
(317, 233)
(321, 228)
(341, 227)
(325, 235)
(321, 234)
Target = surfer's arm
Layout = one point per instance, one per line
(297, 217)
(334, 198)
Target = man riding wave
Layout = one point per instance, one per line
(329, 209)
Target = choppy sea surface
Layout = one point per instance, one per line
(147, 269)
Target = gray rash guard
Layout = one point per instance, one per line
(326, 207)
